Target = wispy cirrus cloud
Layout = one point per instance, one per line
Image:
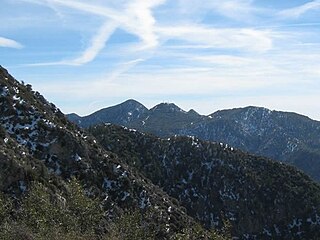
(239, 10)
(300, 10)
(143, 26)
(136, 18)
(96, 45)
(236, 38)
(9, 43)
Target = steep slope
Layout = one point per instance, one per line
(17, 166)
(283, 136)
(39, 144)
(261, 198)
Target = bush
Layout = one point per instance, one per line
(130, 226)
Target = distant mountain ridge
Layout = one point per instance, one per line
(283, 136)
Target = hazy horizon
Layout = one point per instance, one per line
(201, 55)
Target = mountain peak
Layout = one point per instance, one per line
(257, 108)
(167, 107)
(132, 102)
(122, 114)
(129, 105)
(193, 112)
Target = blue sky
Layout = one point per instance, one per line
(205, 55)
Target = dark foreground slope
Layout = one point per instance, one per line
(283, 136)
(39, 145)
(261, 198)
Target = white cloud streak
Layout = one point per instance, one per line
(9, 43)
(235, 9)
(136, 18)
(237, 38)
(143, 26)
(300, 10)
(239, 10)
(97, 44)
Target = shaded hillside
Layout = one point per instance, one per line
(261, 198)
(288, 137)
(283, 136)
(38, 144)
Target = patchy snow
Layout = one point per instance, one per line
(276, 229)
(124, 174)
(227, 193)
(126, 194)
(108, 184)
(167, 228)
(195, 141)
(314, 220)
(77, 158)
(117, 168)
(190, 175)
(58, 169)
(22, 186)
(296, 223)
(208, 166)
(144, 200)
(291, 146)
(267, 232)
(214, 220)
(4, 91)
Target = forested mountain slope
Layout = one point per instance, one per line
(262, 198)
